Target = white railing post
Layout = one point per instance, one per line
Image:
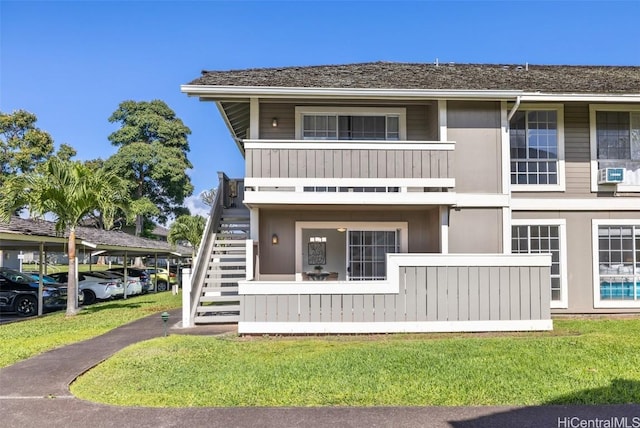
(186, 297)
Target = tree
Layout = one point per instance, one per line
(23, 146)
(208, 196)
(70, 191)
(152, 157)
(187, 228)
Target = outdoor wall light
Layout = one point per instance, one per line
(274, 122)
(274, 239)
(342, 229)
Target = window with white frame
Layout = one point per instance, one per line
(615, 142)
(536, 146)
(618, 259)
(541, 237)
(350, 123)
(618, 135)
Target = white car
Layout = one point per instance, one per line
(93, 288)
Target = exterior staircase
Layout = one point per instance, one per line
(221, 260)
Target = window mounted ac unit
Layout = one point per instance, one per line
(610, 175)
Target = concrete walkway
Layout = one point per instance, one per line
(35, 392)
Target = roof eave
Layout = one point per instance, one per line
(231, 92)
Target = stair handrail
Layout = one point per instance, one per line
(208, 239)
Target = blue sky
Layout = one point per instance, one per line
(71, 63)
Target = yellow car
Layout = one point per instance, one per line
(161, 278)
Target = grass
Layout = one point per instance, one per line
(21, 340)
(580, 362)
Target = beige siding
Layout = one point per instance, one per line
(475, 230)
(424, 231)
(475, 127)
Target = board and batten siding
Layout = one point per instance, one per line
(430, 298)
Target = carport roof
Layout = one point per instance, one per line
(28, 234)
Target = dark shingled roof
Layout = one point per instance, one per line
(103, 238)
(394, 75)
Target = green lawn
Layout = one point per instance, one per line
(21, 340)
(581, 361)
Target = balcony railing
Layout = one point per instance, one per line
(332, 171)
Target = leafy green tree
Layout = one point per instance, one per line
(187, 228)
(70, 191)
(22, 145)
(152, 157)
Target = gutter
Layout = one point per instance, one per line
(514, 109)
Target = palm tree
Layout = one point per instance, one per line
(187, 228)
(68, 190)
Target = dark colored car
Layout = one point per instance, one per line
(19, 294)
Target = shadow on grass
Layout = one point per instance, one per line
(603, 404)
(116, 304)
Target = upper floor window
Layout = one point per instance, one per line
(340, 127)
(618, 135)
(615, 143)
(536, 141)
(350, 123)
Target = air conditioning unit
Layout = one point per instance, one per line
(610, 175)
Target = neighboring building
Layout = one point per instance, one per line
(431, 190)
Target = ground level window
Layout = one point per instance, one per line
(619, 262)
(541, 239)
(367, 252)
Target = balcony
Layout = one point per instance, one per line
(346, 172)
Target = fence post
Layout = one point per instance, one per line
(186, 297)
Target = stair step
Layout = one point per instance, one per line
(219, 289)
(215, 299)
(226, 275)
(217, 308)
(230, 242)
(227, 263)
(216, 319)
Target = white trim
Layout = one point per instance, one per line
(401, 112)
(564, 204)
(595, 258)
(247, 327)
(442, 120)
(388, 145)
(561, 185)
(593, 138)
(299, 183)
(624, 188)
(348, 198)
(505, 149)
(254, 118)
(444, 230)
(506, 230)
(617, 98)
(250, 268)
(563, 303)
(206, 91)
(468, 200)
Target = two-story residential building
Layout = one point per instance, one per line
(385, 197)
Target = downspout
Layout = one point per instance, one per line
(514, 109)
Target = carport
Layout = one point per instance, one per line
(29, 235)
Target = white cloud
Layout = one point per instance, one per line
(196, 206)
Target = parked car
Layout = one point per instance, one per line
(141, 274)
(134, 285)
(49, 280)
(19, 294)
(93, 288)
(162, 278)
